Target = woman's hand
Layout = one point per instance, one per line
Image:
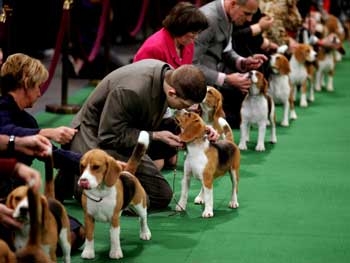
(61, 135)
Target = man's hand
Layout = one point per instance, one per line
(253, 62)
(168, 138)
(212, 134)
(238, 80)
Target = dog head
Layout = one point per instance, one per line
(191, 124)
(213, 103)
(259, 83)
(97, 167)
(279, 64)
(304, 53)
(18, 201)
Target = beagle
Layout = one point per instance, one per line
(327, 57)
(257, 108)
(109, 186)
(211, 109)
(55, 222)
(33, 250)
(206, 161)
(279, 85)
(301, 56)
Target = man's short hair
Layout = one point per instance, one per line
(189, 83)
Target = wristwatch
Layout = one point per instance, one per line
(11, 144)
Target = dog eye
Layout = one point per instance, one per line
(95, 167)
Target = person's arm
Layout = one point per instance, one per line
(209, 64)
(34, 145)
(122, 112)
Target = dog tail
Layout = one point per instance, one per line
(35, 216)
(138, 152)
(49, 190)
(226, 128)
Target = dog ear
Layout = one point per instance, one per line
(112, 172)
(299, 53)
(194, 129)
(10, 201)
(219, 112)
(284, 65)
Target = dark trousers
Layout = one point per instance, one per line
(232, 102)
(156, 186)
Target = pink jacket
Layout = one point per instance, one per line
(161, 46)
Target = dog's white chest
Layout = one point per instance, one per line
(327, 63)
(21, 237)
(255, 109)
(102, 207)
(279, 88)
(298, 72)
(196, 159)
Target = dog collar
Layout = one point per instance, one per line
(93, 198)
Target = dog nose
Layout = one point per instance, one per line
(84, 183)
(23, 211)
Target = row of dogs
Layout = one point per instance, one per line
(104, 179)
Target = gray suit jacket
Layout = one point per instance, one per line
(127, 100)
(210, 44)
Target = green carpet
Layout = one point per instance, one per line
(294, 198)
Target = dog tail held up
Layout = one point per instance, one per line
(138, 152)
(226, 128)
(49, 179)
(33, 252)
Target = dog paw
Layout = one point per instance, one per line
(242, 146)
(88, 254)
(303, 103)
(330, 88)
(260, 148)
(180, 207)
(116, 254)
(293, 115)
(198, 201)
(285, 123)
(207, 214)
(233, 204)
(146, 235)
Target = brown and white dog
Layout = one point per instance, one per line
(212, 111)
(279, 85)
(55, 227)
(108, 190)
(303, 54)
(257, 108)
(206, 161)
(326, 56)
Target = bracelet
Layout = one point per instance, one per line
(11, 144)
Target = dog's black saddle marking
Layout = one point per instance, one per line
(225, 151)
(129, 187)
(57, 212)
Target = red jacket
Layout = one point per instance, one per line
(7, 165)
(161, 46)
